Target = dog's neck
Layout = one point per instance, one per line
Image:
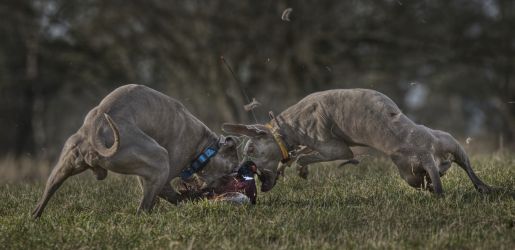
(295, 125)
(279, 138)
(287, 132)
(208, 139)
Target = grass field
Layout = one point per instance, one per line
(361, 207)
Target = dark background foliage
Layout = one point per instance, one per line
(447, 64)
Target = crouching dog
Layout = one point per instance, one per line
(324, 125)
(136, 130)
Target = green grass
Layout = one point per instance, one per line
(364, 206)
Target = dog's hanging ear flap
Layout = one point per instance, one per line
(241, 129)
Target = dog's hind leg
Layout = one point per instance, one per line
(463, 161)
(142, 156)
(154, 177)
(150, 190)
(447, 144)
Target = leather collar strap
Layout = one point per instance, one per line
(280, 142)
(201, 161)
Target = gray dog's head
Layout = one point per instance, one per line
(223, 163)
(261, 149)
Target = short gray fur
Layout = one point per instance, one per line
(151, 135)
(328, 123)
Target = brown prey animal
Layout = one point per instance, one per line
(136, 130)
(326, 124)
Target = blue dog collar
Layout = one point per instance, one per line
(200, 162)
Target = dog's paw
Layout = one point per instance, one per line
(303, 173)
(484, 189)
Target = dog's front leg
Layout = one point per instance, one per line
(304, 160)
(326, 151)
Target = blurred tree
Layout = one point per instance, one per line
(59, 58)
(19, 49)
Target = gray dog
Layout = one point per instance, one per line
(328, 123)
(152, 136)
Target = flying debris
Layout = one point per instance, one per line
(468, 140)
(412, 83)
(286, 14)
(512, 102)
(252, 105)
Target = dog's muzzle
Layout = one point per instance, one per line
(267, 182)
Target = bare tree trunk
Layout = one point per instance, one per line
(507, 109)
(25, 132)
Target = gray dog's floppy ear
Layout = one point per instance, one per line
(241, 129)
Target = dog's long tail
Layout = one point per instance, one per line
(95, 139)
